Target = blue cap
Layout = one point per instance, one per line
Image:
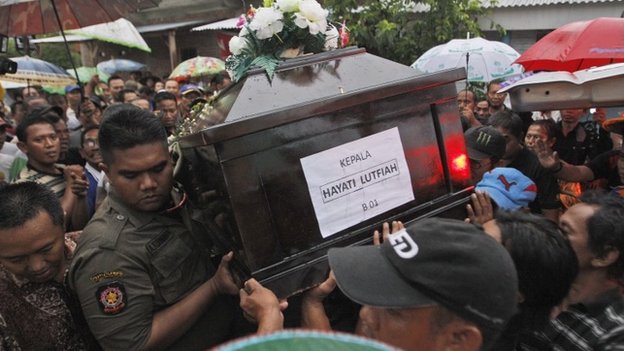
(71, 87)
(187, 88)
(508, 188)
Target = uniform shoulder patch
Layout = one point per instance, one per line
(112, 297)
(98, 277)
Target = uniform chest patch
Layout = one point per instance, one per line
(112, 297)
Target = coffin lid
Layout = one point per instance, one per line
(300, 88)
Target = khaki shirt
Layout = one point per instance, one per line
(130, 264)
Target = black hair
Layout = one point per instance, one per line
(472, 93)
(31, 119)
(605, 231)
(495, 81)
(217, 79)
(113, 77)
(164, 95)
(97, 101)
(85, 131)
(548, 125)
(147, 91)
(123, 92)
(125, 126)
(14, 105)
(510, 121)
(22, 202)
(545, 262)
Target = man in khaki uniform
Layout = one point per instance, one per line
(142, 277)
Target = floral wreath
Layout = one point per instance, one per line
(278, 30)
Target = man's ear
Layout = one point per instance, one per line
(607, 259)
(464, 337)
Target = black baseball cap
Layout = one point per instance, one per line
(433, 261)
(484, 142)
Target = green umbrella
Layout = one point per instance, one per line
(85, 74)
(304, 340)
(50, 89)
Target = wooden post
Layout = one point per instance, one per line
(173, 50)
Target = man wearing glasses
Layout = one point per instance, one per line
(90, 151)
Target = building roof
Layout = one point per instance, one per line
(519, 3)
(167, 26)
(229, 23)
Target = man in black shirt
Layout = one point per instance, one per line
(608, 165)
(518, 157)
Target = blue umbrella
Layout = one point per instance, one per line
(32, 71)
(119, 65)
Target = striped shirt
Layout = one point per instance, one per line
(584, 327)
(55, 182)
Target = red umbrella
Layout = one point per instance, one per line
(19, 17)
(576, 46)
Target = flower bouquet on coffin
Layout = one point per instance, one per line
(278, 30)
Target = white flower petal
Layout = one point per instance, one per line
(237, 44)
(266, 22)
(288, 5)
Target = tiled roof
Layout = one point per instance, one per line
(520, 3)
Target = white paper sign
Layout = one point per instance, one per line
(353, 182)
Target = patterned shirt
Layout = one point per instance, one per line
(598, 326)
(55, 182)
(37, 316)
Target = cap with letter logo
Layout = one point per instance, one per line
(484, 142)
(433, 261)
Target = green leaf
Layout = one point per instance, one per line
(267, 63)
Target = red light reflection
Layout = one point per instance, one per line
(459, 164)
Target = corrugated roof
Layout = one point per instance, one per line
(520, 3)
(229, 23)
(166, 26)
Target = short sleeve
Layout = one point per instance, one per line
(116, 296)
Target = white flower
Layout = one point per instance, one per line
(267, 22)
(243, 32)
(288, 5)
(237, 45)
(311, 14)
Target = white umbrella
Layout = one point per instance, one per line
(594, 87)
(119, 65)
(484, 60)
(120, 32)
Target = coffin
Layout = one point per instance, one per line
(334, 145)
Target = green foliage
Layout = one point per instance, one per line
(402, 30)
(57, 54)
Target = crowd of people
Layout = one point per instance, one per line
(100, 248)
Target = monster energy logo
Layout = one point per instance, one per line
(484, 138)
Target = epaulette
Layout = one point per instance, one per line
(114, 225)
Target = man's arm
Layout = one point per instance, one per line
(74, 200)
(313, 314)
(562, 170)
(262, 306)
(172, 322)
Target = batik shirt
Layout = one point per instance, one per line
(36, 316)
